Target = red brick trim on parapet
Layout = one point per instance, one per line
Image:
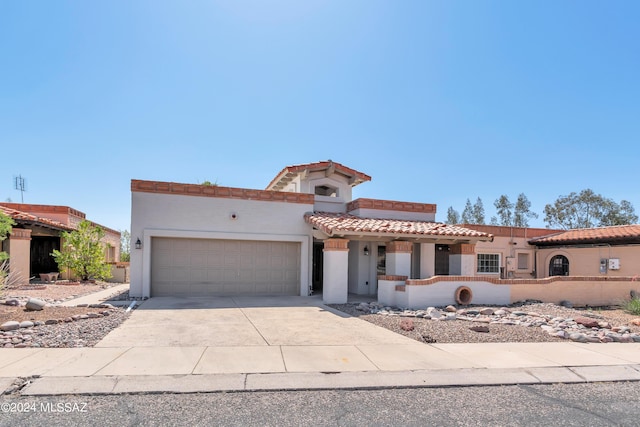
(399, 246)
(44, 209)
(391, 205)
(158, 187)
(497, 281)
(393, 278)
(463, 249)
(336, 245)
(20, 234)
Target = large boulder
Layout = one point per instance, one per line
(35, 304)
(587, 322)
(10, 326)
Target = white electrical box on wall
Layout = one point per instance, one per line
(614, 264)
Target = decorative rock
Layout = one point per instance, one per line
(561, 334)
(451, 309)
(51, 322)
(604, 325)
(578, 337)
(407, 325)
(635, 322)
(12, 302)
(518, 313)
(26, 324)
(500, 312)
(93, 315)
(9, 326)
(587, 322)
(566, 303)
(35, 304)
(487, 312)
(435, 314)
(480, 328)
(451, 316)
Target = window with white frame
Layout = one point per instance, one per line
(488, 263)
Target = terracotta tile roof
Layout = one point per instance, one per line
(345, 224)
(27, 217)
(616, 234)
(286, 174)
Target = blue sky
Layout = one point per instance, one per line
(438, 101)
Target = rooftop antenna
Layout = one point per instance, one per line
(20, 184)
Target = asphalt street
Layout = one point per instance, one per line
(600, 404)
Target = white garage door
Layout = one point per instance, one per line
(199, 267)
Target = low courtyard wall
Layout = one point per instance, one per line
(445, 290)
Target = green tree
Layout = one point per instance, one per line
(504, 209)
(6, 224)
(453, 217)
(478, 212)
(586, 210)
(125, 246)
(467, 213)
(83, 252)
(522, 211)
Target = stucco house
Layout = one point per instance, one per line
(37, 233)
(302, 235)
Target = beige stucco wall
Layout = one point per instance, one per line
(508, 248)
(585, 261)
(580, 293)
(19, 249)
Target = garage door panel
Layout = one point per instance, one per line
(215, 260)
(200, 267)
(198, 274)
(199, 259)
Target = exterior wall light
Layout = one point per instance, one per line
(138, 244)
(366, 251)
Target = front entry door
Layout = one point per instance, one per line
(442, 260)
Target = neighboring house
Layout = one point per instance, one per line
(604, 251)
(37, 233)
(509, 255)
(304, 234)
(525, 253)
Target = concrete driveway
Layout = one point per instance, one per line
(244, 321)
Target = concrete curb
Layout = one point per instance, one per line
(49, 386)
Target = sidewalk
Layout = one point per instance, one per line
(211, 369)
(117, 366)
(97, 297)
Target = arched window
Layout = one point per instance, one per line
(559, 266)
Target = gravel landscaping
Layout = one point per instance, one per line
(54, 325)
(84, 326)
(526, 322)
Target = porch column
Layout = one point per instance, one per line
(335, 271)
(20, 255)
(462, 260)
(399, 258)
(427, 260)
